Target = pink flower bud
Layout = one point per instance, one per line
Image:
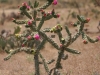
(55, 2)
(49, 13)
(87, 20)
(85, 42)
(36, 36)
(12, 19)
(23, 45)
(29, 37)
(72, 23)
(98, 38)
(41, 10)
(44, 14)
(58, 15)
(61, 45)
(28, 7)
(30, 22)
(19, 13)
(18, 6)
(24, 4)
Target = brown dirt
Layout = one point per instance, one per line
(86, 63)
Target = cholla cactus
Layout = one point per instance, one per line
(35, 33)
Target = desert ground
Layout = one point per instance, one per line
(86, 63)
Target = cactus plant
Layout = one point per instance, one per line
(25, 40)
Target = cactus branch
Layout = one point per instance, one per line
(60, 36)
(48, 3)
(27, 14)
(46, 18)
(49, 40)
(44, 62)
(41, 23)
(20, 22)
(72, 51)
(12, 52)
(78, 33)
(36, 63)
(68, 39)
(58, 64)
(36, 58)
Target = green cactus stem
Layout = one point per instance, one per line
(72, 51)
(17, 30)
(86, 37)
(41, 44)
(12, 52)
(58, 62)
(19, 22)
(67, 30)
(36, 63)
(41, 23)
(91, 40)
(36, 4)
(48, 62)
(36, 58)
(49, 40)
(60, 36)
(3, 43)
(33, 28)
(44, 62)
(68, 39)
(34, 14)
(51, 61)
(46, 29)
(81, 18)
(78, 33)
(46, 18)
(30, 4)
(47, 4)
(27, 14)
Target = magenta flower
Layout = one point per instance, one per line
(23, 45)
(55, 2)
(58, 15)
(30, 22)
(98, 38)
(28, 7)
(36, 36)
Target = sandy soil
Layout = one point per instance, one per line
(86, 63)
